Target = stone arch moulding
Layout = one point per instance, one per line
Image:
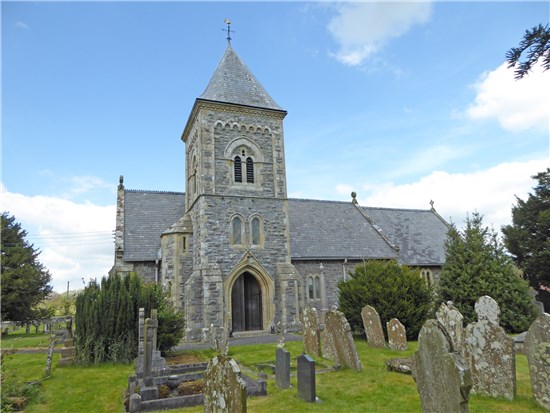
(252, 266)
(230, 149)
(243, 127)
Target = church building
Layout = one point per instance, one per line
(234, 249)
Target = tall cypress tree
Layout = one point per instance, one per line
(107, 319)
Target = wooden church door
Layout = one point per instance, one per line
(246, 303)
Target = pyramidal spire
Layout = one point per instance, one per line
(233, 82)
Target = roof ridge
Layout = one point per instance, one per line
(377, 227)
(153, 191)
(397, 209)
(319, 200)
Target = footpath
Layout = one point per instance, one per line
(243, 341)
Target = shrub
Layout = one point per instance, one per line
(394, 290)
(107, 317)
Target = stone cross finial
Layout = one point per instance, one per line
(353, 197)
(432, 204)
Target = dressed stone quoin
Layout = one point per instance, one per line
(234, 249)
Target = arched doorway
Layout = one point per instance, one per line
(246, 303)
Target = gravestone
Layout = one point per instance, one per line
(148, 349)
(67, 352)
(310, 325)
(139, 360)
(282, 368)
(158, 362)
(306, 378)
(148, 390)
(134, 403)
(537, 348)
(538, 304)
(327, 345)
(490, 352)
(452, 320)
(397, 335)
(339, 335)
(219, 337)
(225, 388)
(442, 378)
(373, 327)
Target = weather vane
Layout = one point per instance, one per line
(229, 31)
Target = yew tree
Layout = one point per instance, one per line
(528, 237)
(25, 281)
(394, 290)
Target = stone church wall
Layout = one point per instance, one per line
(148, 270)
(213, 241)
(333, 271)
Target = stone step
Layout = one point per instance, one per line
(253, 333)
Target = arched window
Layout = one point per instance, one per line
(313, 287)
(236, 231)
(427, 275)
(249, 170)
(256, 231)
(238, 169)
(193, 177)
(317, 288)
(310, 290)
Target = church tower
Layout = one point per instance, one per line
(236, 270)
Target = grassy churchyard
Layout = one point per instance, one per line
(87, 389)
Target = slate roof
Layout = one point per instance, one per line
(233, 82)
(420, 234)
(328, 229)
(147, 214)
(318, 229)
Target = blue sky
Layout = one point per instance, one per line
(401, 102)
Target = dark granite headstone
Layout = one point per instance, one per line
(282, 368)
(306, 378)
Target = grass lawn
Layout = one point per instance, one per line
(19, 339)
(100, 388)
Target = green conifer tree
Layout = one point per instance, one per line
(107, 319)
(477, 265)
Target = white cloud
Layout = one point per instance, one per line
(490, 192)
(429, 159)
(362, 29)
(516, 104)
(75, 239)
(83, 184)
(22, 25)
